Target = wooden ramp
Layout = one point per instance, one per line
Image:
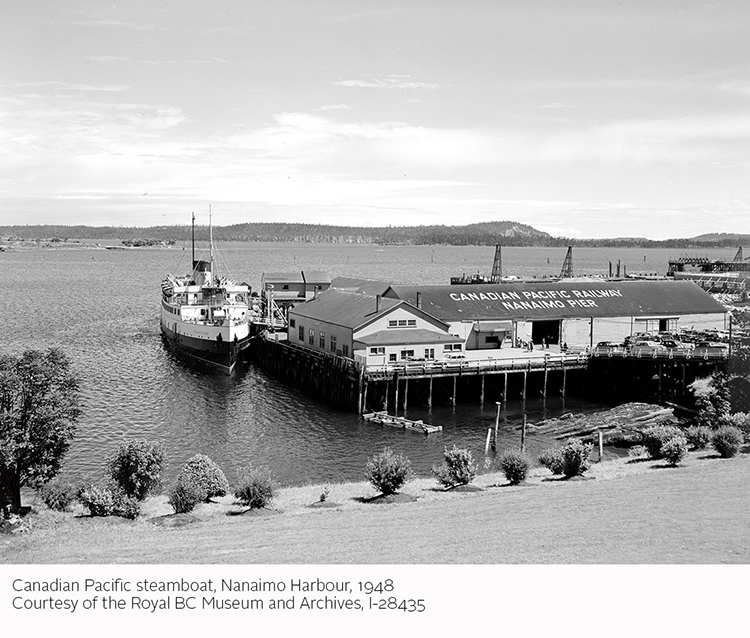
(383, 418)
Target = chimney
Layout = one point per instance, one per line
(419, 300)
(377, 303)
(315, 291)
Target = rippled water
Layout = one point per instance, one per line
(102, 308)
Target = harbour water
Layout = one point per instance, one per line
(102, 308)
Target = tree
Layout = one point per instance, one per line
(38, 416)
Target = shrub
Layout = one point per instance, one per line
(674, 450)
(388, 472)
(575, 457)
(552, 459)
(636, 451)
(136, 467)
(126, 506)
(698, 436)
(98, 499)
(656, 436)
(202, 471)
(515, 466)
(739, 420)
(108, 500)
(58, 495)
(255, 488)
(458, 467)
(185, 494)
(727, 441)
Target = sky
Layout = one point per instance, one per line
(580, 118)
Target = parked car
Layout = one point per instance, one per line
(646, 348)
(608, 347)
(703, 348)
(678, 346)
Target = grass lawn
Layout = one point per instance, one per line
(623, 512)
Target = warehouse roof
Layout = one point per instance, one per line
(555, 300)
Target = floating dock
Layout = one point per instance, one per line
(383, 418)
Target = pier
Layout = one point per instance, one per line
(510, 374)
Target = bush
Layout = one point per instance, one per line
(185, 494)
(739, 420)
(58, 495)
(636, 451)
(136, 467)
(515, 466)
(458, 468)
(108, 500)
(727, 441)
(656, 436)
(674, 450)
(575, 456)
(388, 472)
(202, 471)
(552, 459)
(98, 499)
(256, 488)
(698, 436)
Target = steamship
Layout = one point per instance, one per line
(206, 316)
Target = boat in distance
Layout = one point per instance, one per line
(206, 316)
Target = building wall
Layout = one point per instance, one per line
(343, 336)
(399, 315)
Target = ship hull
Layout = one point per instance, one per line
(222, 354)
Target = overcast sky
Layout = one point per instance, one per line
(580, 118)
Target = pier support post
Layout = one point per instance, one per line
(523, 395)
(523, 434)
(385, 396)
(453, 398)
(406, 393)
(565, 372)
(395, 399)
(544, 390)
(364, 399)
(429, 396)
(497, 423)
(481, 394)
(505, 387)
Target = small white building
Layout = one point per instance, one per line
(370, 329)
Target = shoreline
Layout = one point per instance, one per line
(621, 511)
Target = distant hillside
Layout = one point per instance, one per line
(507, 233)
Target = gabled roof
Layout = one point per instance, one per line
(283, 277)
(353, 310)
(316, 277)
(364, 286)
(555, 300)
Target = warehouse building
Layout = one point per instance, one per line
(577, 313)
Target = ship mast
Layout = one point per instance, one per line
(193, 236)
(211, 244)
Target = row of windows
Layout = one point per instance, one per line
(321, 340)
(429, 353)
(402, 323)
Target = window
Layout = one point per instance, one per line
(345, 350)
(402, 323)
(378, 350)
(285, 287)
(392, 323)
(405, 354)
(412, 323)
(392, 357)
(311, 337)
(302, 334)
(429, 353)
(322, 340)
(448, 347)
(292, 323)
(333, 343)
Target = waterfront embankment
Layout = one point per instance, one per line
(622, 512)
